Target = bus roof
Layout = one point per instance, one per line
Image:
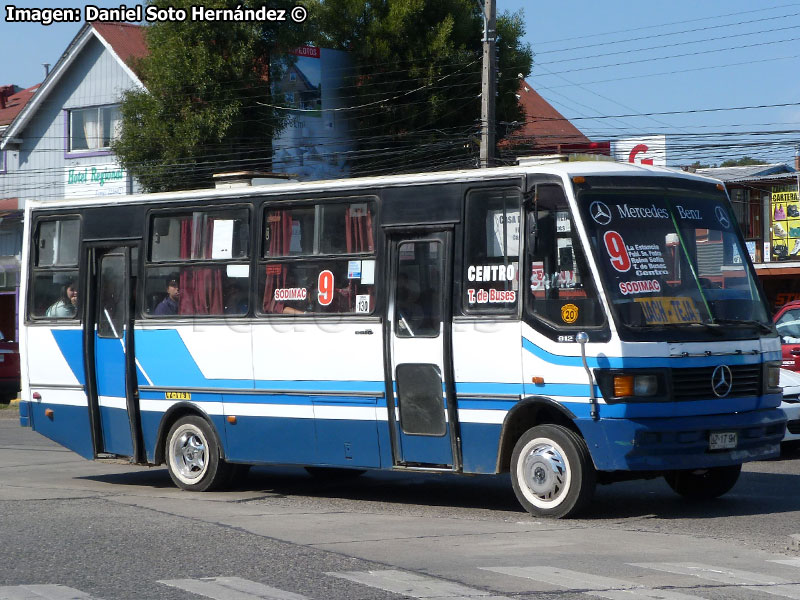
(564, 170)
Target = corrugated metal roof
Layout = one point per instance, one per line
(747, 172)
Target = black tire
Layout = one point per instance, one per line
(331, 473)
(552, 472)
(193, 456)
(704, 484)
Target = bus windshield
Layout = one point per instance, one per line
(672, 258)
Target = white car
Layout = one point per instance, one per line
(790, 382)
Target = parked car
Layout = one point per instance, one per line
(787, 321)
(790, 382)
(9, 369)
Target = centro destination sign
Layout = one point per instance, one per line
(95, 180)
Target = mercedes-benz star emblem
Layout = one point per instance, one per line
(722, 217)
(600, 212)
(722, 381)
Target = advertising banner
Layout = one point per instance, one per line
(784, 213)
(316, 142)
(646, 150)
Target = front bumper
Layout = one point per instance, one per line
(792, 412)
(666, 444)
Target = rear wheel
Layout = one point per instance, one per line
(552, 472)
(193, 456)
(704, 484)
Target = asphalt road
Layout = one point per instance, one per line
(71, 528)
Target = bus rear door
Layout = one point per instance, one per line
(420, 376)
(108, 337)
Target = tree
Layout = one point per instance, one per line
(416, 81)
(745, 161)
(207, 106)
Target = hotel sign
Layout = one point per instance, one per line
(87, 181)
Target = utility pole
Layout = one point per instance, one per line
(488, 84)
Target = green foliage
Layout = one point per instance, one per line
(206, 106)
(417, 77)
(745, 161)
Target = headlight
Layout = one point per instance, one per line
(620, 386)
(772, 377)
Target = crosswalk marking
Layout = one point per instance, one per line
(742, 579)
(792, 562)
(231, 588)
(591, 585)
(41, 592)
(416, 586)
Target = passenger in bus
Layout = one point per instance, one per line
(67, 304)
(169, 305)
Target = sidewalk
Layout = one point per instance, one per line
(10, 411)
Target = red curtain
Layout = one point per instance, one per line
(200, 287)
(358, 237)
(358, 231)
(279, 223)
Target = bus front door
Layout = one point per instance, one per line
(109, 340)
(419, 319)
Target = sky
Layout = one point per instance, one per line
(717, 77)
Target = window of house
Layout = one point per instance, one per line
(198, 263)
(54, 285)
(93, 128)
(318, 258)
(491, 255)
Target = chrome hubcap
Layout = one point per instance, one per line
(189, 450)
(544, 472)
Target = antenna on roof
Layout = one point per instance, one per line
(46, 69)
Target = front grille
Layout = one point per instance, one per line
(695, 384)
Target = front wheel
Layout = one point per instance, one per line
(552, 472)
(704, 484)
(193, 456)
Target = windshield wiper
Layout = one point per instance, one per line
(751, 322)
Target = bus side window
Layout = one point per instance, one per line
(198, 263)
(561, 291)
(54, 284)
(318, 259)
(491, 251)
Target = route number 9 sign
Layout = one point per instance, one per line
(615, 246)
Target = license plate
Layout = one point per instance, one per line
(722, 440)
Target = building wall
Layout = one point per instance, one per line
(36, 170)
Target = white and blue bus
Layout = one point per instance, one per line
(571, 324)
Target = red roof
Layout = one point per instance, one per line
(127, 40)
(545, 127)
(15, 103)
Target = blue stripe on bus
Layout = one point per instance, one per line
(70, 342)
(608, 362)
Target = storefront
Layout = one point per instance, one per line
(767, 205)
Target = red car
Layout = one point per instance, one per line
(9, 369)
(787, 321)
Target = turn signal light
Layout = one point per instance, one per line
(537, 380)
(623, 385)
(579, 179)
(48, 412)
(231, 419)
